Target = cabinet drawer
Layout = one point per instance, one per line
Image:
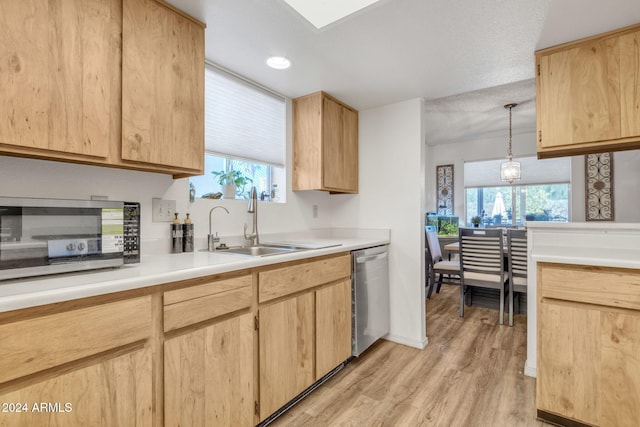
(187, 306)
(40, 343)
(287, 280)
(613, 287)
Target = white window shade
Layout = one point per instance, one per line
(534, 171)
(242, 120)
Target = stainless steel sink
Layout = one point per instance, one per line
(259, 250)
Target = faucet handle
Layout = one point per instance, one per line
(211, 242)
(248, 236)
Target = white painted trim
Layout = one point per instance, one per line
(530, 370)
(407, 341)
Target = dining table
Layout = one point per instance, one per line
(451, 247)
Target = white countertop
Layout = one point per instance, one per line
(166, 268)
(587, 243)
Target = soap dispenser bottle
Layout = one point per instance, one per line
(176, 236)
(187, 235)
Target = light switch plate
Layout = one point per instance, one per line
(163, 210)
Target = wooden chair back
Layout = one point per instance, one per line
(481, 251)
(517, 245)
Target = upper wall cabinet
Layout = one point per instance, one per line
(59, 81)
(162, 86)
(588, 95)
(81, 82)
(325, 144)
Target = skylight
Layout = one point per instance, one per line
(324, 12)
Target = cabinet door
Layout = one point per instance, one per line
(630, 84)
(286, 351)
(579, 94)
(307, 143)
(110, 392)
(333, 326)
(209, 375)
(59, 80)
(340, 147)
(588, 366)
(162, 86)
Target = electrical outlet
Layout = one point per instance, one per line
(315, 211)
(163, 210)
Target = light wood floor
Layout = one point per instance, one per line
(470, 374)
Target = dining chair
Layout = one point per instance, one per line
(517, 245)
(438, 266)
(482, 263)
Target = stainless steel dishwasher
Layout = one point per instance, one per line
(370, 297)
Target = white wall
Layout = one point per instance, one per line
(626, 178)
(39, 178)
(391, 195)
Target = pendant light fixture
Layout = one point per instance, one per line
(510, 170)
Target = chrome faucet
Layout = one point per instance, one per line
(253, 209)
(211, 239)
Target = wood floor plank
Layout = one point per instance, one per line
(470, 374)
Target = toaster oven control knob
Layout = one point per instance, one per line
(71, 247)
(81, 246)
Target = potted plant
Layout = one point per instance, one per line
(232, 182)
(476, 220)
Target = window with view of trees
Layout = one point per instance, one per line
(245, 133)
(542, 194)
(494, 205)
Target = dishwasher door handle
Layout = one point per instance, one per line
(371, 257)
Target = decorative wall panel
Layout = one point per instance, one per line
(444, 190)
(599, 187)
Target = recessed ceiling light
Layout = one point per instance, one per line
(278, 62)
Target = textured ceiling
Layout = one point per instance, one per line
(481, 114)
(396, 50)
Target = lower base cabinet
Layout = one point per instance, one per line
(208, 375)
(302, 339)
(333, 326)
(286, 351)
(112, 392)
(588, 345)
(201, 352)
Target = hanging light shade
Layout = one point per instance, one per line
(510, 170)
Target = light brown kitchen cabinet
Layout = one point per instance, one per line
(226, 350)
(304, 326)
(85, 84)
(79, 366)
(60, 79)
(209, 375)
(588, 95)
(588, 339)
(286, 351)
(325, 144)
(209, 353)
(333, 326)
(162, 86)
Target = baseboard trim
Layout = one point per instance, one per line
(406, 341)
(530, 370)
